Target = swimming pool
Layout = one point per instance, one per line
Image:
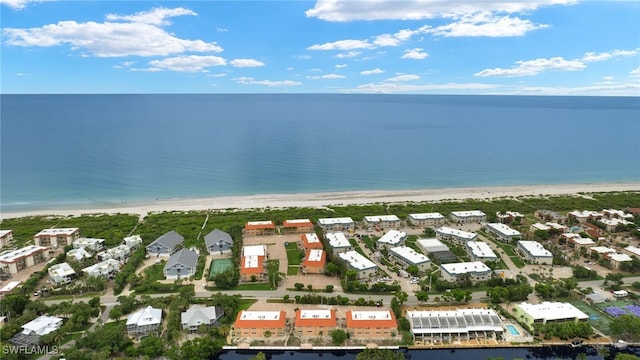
(512, 330)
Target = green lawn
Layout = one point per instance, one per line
(293, 270)
(253, 286)
(510, 251)
(293, 254)
(154, 272)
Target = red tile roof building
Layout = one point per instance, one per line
(259, 228)
(298, 225)
(375, 324)
(312, 323)
(254, 324)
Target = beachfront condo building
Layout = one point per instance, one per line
(392, 238)
(548, 312)
(315, 261)
(252, 263)
(473, 216)
(16, 260)
(503, 232)
(338, 242)
(144, 322)
(475, 270)
(259, 228)
(297, 226)
(6, 237)
(584, 215)
(406, 256)
(310, 241)
(534, 252)
(181, 264)
(508, 217)
(105, 269)
(56, 237)
(363, 266)
(165, 245)
(454, 235)
(132, 241)
(427, 219)
(255, 324)
(337, 224)
(459, 324)
(218, 242)
(616, 260)
(89, 244)
(381, 222)
(315, 323)
(373, 324)
(61, 273)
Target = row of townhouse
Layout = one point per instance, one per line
(216, 242)
(615, 259)
(310, 323)
(268, 227)
(252, 263)
(13, 261)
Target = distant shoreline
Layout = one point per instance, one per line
(322, 199)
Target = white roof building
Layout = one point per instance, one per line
(42, 325)
(481, 251)
(432, 245)
(502, 232)
(426, 217)
(460, 236)
(465, 268)
(78, 254)
(89, 243)
(260, 315)
(60, 273)
(632, 250)
(612, 213)
(468, 216)
(56, 232)
(338, 240)
(459, 322)
(534, 252)
(144, 320)
(602, 250)
(381, 218)
(393, 237)
(552, 311)
(357, 262)
(254, 250)
(343, 223)
(540, 226)
(409, 256)
(133, 241)
(104, 268)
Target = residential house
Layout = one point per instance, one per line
(455, 324)
(310, 241)
(392, 238)
(78, 254)
(503, 232)
(473, 216)
(632, 251)
(181, 264)
(616, 214)
(601, 250)
(255, 324)
(6, 237)
(197, 316)
(363, 266)
(382, 222)
(133, 241)
(406, 256)
(165, 245)
(426, 219)
(61, 273)
(315, 261)
(616, 260)
(297, 226)
(337, 224)
(508, 217)
(548, 312)
(576, 241)
(315, 323)
(611, 225)
(120, 253)
(456, 272)
(480, 251)
(584, 216)
(90, 244)
(218, 242)
(16, 260)
(252, 263)
(338, 242)
(104, 269)
(454, 235)
(259, 228)
(371, 324)
(56, 237)
(548, 215)
(534, 252)
(144, 322)
(34, 330)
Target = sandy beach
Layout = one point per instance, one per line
(334, 198)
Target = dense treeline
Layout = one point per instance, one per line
(564, 330)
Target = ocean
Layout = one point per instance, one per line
(63, 151)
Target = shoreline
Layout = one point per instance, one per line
(323, 199)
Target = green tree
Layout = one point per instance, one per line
(259, 356)
(227, 279)
(338, 336)
(626, 327)
(380, 354)
(622, 356)
(151, 346)
(413, 269)
(329, 288)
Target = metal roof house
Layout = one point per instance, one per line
(218, 242)
(165, 244)
(143, 322)
(181, 264)
(198, 315)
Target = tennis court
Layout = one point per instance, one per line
(218, 266)
(597, 318)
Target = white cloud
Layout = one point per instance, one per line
(18, 4)
(403, 78)
(371, 72)
(246, 63)
(327, 76)
(303, 57)
(416, 54)
(592, 56)
(340, 66)
(269, 83)
(140, 36)
(221, 30)
(342, 45)
(387, 87)
(596, 89)
(190, 63)
(486, 25)
(350, 10)
(23, 74)
(534, 67)
(635, 72)
(347, 55)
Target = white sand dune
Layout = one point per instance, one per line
(336, 198)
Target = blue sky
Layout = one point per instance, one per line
(534, 47)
